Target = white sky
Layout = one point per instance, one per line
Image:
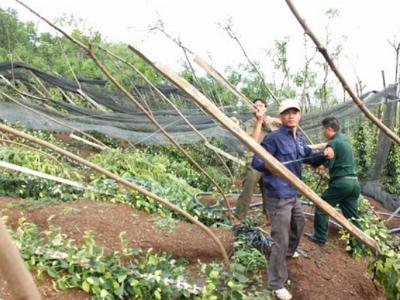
(367, 24)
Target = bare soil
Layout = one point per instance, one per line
(327, 272)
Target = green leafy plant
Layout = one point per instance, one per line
(248, 256)
(153, 173)
(364, 144)
(133, 273)
(391, 173)
(385, 267)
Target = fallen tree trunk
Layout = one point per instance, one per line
(271, 162)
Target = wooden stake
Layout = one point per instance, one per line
(271, 162)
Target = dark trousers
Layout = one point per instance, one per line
(251, 179)
(287, 224)
(343, 192)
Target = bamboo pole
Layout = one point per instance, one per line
(13, 167)
(91, 101)
(217, 76)
(218, 152)
(33, 149)
(225, 154)
(322, 49)
(271, 162)
(125, 183)
(66, 97)
(14, 270)
(75, 137)
(233, 35)
(393, 214)
(104, 70)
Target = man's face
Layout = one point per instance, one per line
(328, 132)
(259, 105)
(290, 117)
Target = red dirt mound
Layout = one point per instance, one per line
(107, 220)
(327, 273)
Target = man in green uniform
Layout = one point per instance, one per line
(257, 128)
(344, 188)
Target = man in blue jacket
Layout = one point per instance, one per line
(285, 211)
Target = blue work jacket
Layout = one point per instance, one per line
(284, 147)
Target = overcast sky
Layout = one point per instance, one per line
(367, 24)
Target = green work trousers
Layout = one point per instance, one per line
(343, 192)
(251, 179)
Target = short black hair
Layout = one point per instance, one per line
(331, 122)
(261, 100)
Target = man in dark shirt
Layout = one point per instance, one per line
(344, 188)
(284, 208)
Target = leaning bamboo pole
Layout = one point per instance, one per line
(16, 168)
(48, 156)
(125, 183)
(218, 76)
(104, 70)
(206, 142)
(271, 162)
(233, 35)
(322, 49)
(94, 145)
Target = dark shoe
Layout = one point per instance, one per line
(314, 239)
